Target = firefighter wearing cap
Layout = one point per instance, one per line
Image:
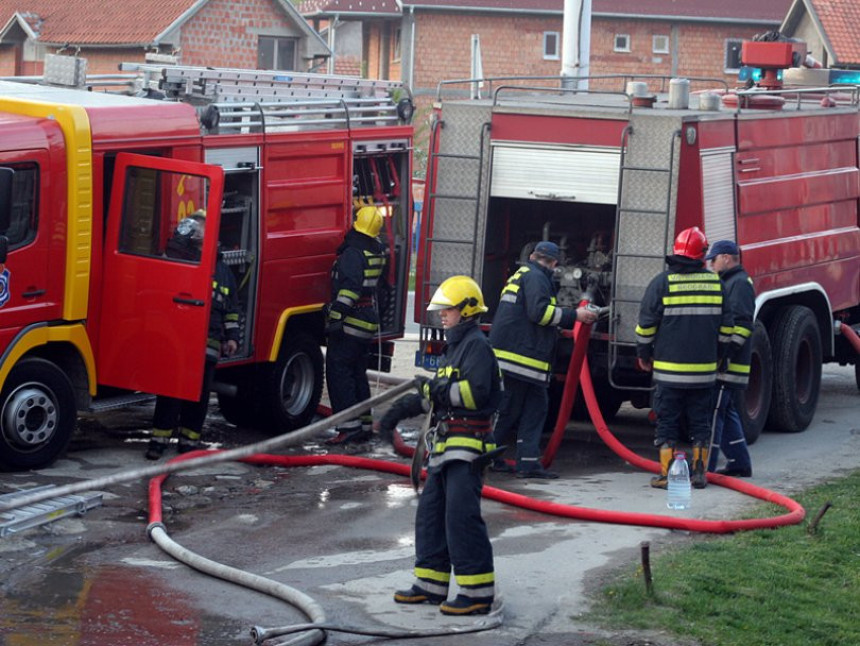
(352, 321)
(449, 529)
(724, 257)
(524, 335)
(683, 333)
(177, 415)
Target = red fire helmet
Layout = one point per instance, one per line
(691, 243)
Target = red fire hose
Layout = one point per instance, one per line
(851, 335)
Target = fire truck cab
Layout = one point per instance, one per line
(612, 173)
(93, 312)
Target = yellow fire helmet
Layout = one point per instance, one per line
(368, 220)
(461, 292)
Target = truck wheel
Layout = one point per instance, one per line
(292, 390)
(857, 374)
(796, 370)
(37, 415)
(755, 400)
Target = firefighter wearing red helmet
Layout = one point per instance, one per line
(352, 321)
(683, 333)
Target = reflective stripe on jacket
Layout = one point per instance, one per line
(525, 326)
(683, 325)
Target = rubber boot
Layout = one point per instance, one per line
(699, 477)
(462, 605)
(158, 443)
(667, 452)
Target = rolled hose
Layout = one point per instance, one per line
(851, 335)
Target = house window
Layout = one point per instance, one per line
(550, 45)
(621, 43)
(733, 55)
(275, 53)
(395, 45)
(660, 45)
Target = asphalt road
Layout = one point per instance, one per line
(344, 536)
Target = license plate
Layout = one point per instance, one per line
(426, 361)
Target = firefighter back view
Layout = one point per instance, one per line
(186, 417)
(682, 335)
(352, 321)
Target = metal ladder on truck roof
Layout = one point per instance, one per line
(643, 222)
(257, 100)
(455, 176)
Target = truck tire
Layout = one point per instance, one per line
(857, 374)
(754, 402)
(37, 415)
(796, 369)
(293, 387)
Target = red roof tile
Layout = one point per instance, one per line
(311, 7)
(89, 22)
(840, 20)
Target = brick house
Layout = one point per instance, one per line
(266, 34)
(831, 29)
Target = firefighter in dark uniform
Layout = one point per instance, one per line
(352, 321)
(449, 529)
(524, 336)
(724, 257)
(683, 334)
(186, 417)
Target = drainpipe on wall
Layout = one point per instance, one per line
(411, 74)
(332, 28)
(576, 43)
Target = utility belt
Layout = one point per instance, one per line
(464, 425)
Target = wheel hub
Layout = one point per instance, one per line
(30, 417)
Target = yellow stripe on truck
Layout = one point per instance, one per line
(75, 124)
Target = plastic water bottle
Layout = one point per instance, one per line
(679, 483)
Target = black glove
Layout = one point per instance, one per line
(422, 385)
(439, 388)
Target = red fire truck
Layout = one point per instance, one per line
(92, 184)
(612, 176)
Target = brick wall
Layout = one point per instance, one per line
(224, 33)
(513, 45)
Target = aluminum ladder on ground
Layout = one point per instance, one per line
(16, 520)
(647, 187)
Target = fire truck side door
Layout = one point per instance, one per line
(155, 308)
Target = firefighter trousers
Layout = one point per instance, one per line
(449, 531)
(522, 415)
(729, 434)
(679, 408)
(171, 414)
(346, 362)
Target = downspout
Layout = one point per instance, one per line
(335, 21)
(576, 43)
(411, 83)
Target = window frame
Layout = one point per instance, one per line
(277, 42)
(549, 56)
(659, 50)
(738, 42)
(626, 48)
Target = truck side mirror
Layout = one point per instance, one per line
(6, 175)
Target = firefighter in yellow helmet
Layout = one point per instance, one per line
(449, 530)
(352, 321)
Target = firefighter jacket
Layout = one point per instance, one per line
(224, 316)
(465, 392)
(740, 301)
(683, 325)
(525, 326)
(355, 278)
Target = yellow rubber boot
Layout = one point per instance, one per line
(666, 454)
(699, 477)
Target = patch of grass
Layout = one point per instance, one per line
(781, 587)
